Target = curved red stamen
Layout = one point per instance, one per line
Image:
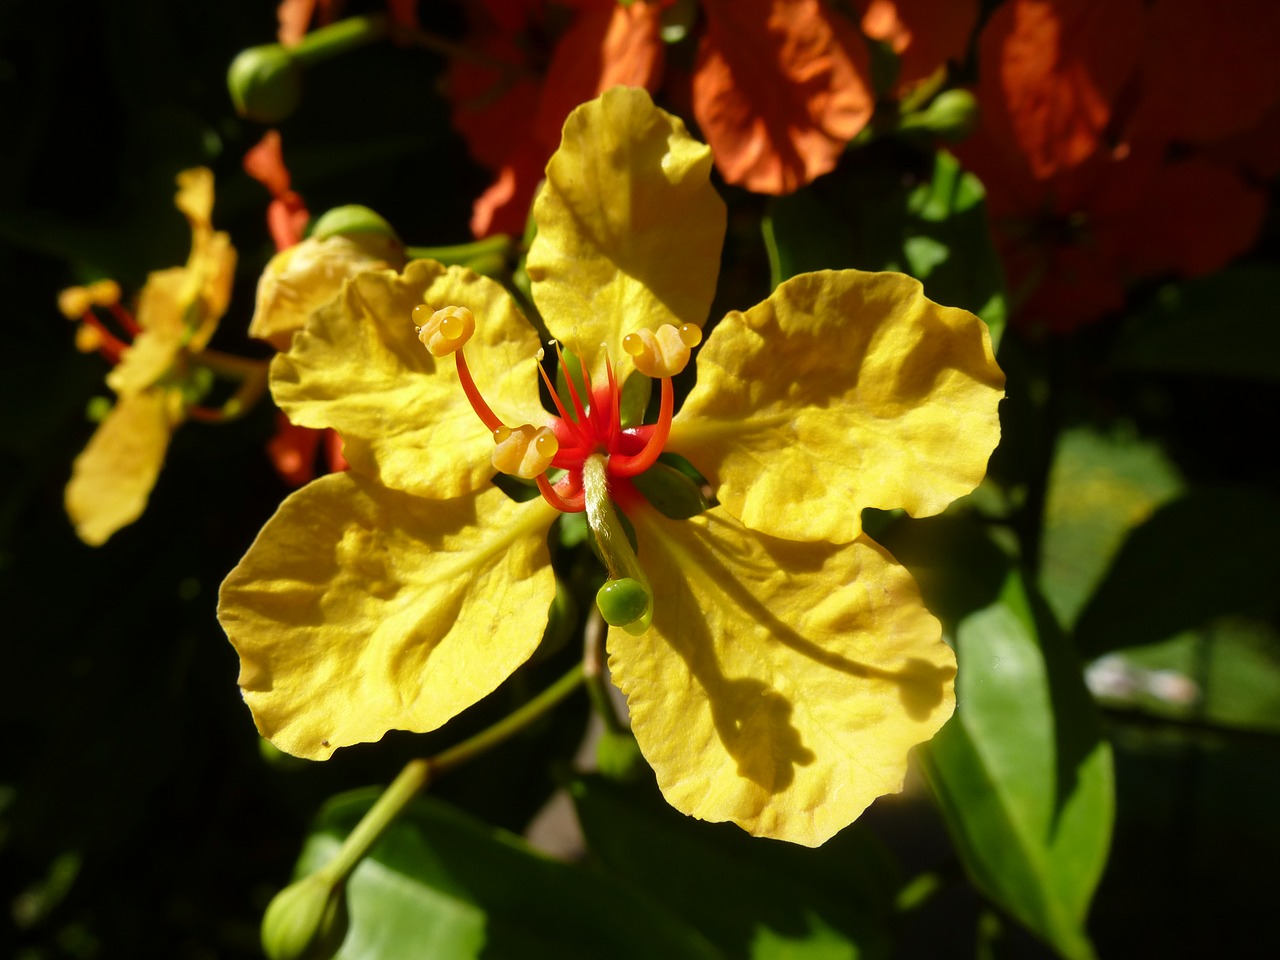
(576, 434)
(473, 394)
(125, 319)
(109, 345)
(575, 504)
(630, 466)
(581, 414)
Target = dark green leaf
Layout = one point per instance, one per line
(442, 885)
(1021, 773)
(751, 897)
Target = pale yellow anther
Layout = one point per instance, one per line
(75, 302)
(663, 352)
(524, 451)
(443, 331)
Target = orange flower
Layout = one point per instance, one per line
(779, 88)
(287, 214)
(925, 34)
(1083, 192)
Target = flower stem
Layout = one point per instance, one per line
(337, 38)
(593, 671)
(418, 773)
(463, 253)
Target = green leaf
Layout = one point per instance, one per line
(753, 899)
(1220, 325)
(440, 884)
(870, 218)
(1101, 485)
(1226, 674)
(1196, 558)
(1021, 773)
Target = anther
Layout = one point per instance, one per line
(663, 352)
(443, 331)
(75, 302)
(524, 451)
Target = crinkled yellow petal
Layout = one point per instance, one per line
(162, 304)
(302, 278)
(359, 610)
(195, 197)
(842, 390)
(113, 476)
(781, 684)
(358, 367)
(629, 226)
(212, 269)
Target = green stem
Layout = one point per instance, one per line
(337, 38)
(463, 252)
(418, 773)
(593, 672)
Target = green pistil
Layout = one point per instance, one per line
(626, 599)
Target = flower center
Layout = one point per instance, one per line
(587, 440)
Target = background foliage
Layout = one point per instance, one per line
(1126, 535)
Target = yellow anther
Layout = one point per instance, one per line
(524, 451)
(74, 302)
(663, 352)
(88, 339)
(443, 331)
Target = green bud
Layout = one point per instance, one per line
(624, 603)
(265, 83)
(350, 220)
(307, 920)
(97, 409)
(618, 756)
(952, 115)
(673, 493)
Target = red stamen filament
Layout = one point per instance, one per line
(623, 466)
(570, 504)
(473, 394)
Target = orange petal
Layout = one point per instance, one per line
(1049, 73)
(925, 34)
(780, 87)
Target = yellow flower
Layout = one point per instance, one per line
(777, 663)
(178, 312)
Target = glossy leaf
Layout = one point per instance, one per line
(1100, 487)
(443, 885)
(1022, 775)
(937, 232)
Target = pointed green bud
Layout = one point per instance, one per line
(673, 493)
(350, 220)
(952, 115)
(265, 83)
(307, 920)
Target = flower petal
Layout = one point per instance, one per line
(841, 391)
(781, 684)
(300, 279)
(780, 88)
(629, 226)
(113, 476)
(360, 610)
(162, 305)
(359, 368)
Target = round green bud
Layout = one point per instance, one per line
(623, 601)
(307, 920)
(349, 220)
(265, 83)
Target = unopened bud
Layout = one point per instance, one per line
(265, 83)
(307, 920)
(349, 220)
(952, 115)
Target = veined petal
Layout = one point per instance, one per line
(303, 278)
(360, 610)
(842, 390)
(113, 476)
(781, 684)
(359, 368)
(629, 226)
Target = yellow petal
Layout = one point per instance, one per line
(842, 390)
(360, 610)
(358, 367)
(212, 269)
(112, 478)
(195, 197)
(781, 684)
(162, 306)
(301, 279)
(629, 227)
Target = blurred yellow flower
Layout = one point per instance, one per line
(778, 664)
(178, 312)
